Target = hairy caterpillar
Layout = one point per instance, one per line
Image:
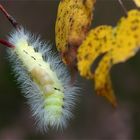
(43, 78)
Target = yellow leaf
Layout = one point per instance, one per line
(120, 43)
(137, 2)
(103, 85)
(72, 24)
(127, 39)
(98, 41)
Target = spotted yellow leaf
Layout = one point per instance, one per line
(103, 85)
(72, 24)
(97, 42)
(119, 44)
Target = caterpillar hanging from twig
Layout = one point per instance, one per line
(44, 79)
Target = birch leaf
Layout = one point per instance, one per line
(72, 24)
(97, 42)
(120, 43)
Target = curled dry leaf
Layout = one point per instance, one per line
(119, 44)
(72, 24)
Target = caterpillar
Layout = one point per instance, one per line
(43, 79)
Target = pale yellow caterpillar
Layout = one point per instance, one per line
(43, 78)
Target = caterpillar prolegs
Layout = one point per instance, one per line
(43, 78)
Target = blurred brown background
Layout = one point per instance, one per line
(95, 119)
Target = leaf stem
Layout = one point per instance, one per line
(123, 7)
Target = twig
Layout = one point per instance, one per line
(10, 18)
(123, 7)
(6, 43)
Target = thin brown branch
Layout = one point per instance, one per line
(6, 43)
(10, 18)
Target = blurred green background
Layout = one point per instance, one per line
(95, 119)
